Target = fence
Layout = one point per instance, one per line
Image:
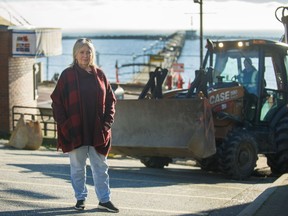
(42, 114)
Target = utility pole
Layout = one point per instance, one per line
(200, 2)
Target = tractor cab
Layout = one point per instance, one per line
(259, 66)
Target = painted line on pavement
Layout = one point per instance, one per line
(119, 190)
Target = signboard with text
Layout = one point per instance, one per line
(24, 43)
(36, 42)
(178, 67)
(156, 58)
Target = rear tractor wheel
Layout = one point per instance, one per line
(278, 162)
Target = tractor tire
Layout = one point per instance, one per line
(278, 162)
(238, 154)
(209, 164)
(156, 162)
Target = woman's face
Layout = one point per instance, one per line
(84, 56)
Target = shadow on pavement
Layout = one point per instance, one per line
(49, 212)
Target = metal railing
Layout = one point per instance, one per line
(42, 114)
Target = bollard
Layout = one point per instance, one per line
(119, 93)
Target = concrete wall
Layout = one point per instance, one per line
(17, 82)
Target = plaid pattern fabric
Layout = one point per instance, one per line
(67, 111)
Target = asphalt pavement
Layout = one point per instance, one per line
(46, 190)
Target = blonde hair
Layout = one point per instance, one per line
(78, 45)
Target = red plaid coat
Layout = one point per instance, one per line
(67, 111)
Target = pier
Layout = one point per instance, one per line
(167, 54)
(164, 58)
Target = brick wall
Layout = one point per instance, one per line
(21, 83)
(4, 90)
(16, 77)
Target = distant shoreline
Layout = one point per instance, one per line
(190, 34)
(140, 37)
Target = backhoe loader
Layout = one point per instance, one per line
(222, 121)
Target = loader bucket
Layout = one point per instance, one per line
(164, 128)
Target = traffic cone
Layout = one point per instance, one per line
(180, 82)
(189, 83)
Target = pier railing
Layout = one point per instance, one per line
(42, 114)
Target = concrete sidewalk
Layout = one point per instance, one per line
(273, 201)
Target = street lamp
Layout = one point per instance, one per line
(201, 30)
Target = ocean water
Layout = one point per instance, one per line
(128, 51)
(108, 52)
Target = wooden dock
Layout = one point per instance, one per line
(164, 58)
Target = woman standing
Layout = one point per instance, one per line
(84, 106)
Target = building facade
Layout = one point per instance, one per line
(17, 70)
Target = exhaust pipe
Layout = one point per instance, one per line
(285, 23)
(284, 20)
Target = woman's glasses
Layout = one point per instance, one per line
(84, 40)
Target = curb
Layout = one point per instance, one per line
(263, 197)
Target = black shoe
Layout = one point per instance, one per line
(108, 206)
(80, 205)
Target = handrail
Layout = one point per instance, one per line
(42, 114)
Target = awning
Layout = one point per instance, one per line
(36, 42)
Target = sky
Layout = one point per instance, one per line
(144, 15)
